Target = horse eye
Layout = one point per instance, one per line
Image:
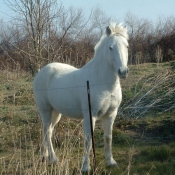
(110, 47)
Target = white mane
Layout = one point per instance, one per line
(116, 30)
(119, 30)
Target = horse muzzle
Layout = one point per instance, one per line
(123, 72)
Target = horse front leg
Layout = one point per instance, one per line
(107, 125)
(88, 142)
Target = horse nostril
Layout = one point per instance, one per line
(123, 72)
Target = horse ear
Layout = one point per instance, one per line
(108, 31)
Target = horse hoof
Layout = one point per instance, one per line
(44, 159)
(85, 169)
(55, 161)
(112, 163)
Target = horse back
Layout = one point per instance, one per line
(47, 73)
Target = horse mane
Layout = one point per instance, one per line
(116, 30)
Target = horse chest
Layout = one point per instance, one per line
(109, 105)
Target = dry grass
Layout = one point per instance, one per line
(144, 92)
(152, 91)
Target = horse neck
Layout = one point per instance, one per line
(103, 69)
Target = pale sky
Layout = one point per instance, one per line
(117, 9)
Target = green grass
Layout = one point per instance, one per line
(140, 146)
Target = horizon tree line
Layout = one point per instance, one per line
(43, 31)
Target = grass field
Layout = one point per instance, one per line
(143, 135)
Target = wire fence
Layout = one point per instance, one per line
(150, 93)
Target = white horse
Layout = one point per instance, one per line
(60, 89)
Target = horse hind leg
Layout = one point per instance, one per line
(55, 118)
(49, 119)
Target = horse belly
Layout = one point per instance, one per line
(65, 101)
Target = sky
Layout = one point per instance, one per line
(116, 9)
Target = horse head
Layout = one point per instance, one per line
(117, 49)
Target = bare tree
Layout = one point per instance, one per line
(35, 17)
(7, 33)
(140, 31)
(99, 21)
(165, 38)
(49, 31)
